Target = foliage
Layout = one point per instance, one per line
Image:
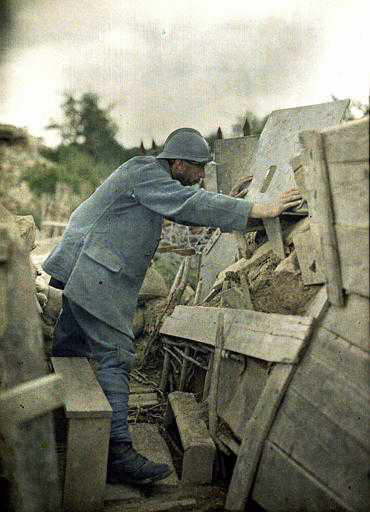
(90, 128)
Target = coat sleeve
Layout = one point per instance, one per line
(156, 190)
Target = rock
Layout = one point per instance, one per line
(188, 295)
(154, 286)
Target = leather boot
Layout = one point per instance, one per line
(126, 465)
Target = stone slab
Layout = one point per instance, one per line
(148, 441)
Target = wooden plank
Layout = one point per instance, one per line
(345, 359)
(329, 246)
(352, 207)
(353, 246)
(319, 305)
(86, 468)
(283, 485)
(313, 440)
(239, 394)
(199, 449)
(335, 396)
(256, 432)
(233, 157)
(222, 253)
(271, 337)
(83, 395)
(279, 141)
(275, 236)
(137, 387)
(352, 323)
(348, 142)
(142, 400)
(236, 298)
(308, 258)
(35, 398)
(213, 391)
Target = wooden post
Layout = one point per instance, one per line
(212, 398)
(184, 367)
(313, 141)
(255, 434)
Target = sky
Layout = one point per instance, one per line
(164, 64)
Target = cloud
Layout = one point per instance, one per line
(169, 64)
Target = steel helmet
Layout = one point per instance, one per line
(186, 144)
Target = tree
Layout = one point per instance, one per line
(90, 128)
(249, 124)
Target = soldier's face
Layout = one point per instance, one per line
(187, 173)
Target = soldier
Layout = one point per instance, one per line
(102, 259)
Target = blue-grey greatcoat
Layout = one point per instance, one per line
(112, 236)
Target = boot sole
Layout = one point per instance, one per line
(135, 481)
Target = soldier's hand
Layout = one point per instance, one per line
(289, 199)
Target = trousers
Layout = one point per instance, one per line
(79, 334)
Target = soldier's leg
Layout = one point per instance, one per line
(114, 354)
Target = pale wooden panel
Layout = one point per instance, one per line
(279, 142)
(86, 468)
(348, 142)
(318, 444)
(233, 157)
(351, 323)
(325, 388)
(32, 399)
(349, 187)
(282, 485)
(353, 245)
(271, 337)
(83, 394)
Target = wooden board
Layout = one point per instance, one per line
(333, 456)
(351, 323)
(254, 436)
(282, 485)
(83, 395)
(345, 359)
(35, 398)
(308, 258)
(279, 142)
(138, 400)
(348, 142)
(233, 157)
(86, 468)
(223, 253)
(353, 245)
(349, 187)
(335, 396)
(239, 396)
(275, 236)
(199, 449)
(271, 337)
